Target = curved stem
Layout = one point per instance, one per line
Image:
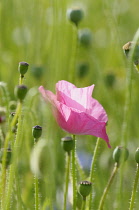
(93, 167)
(74, 175)
(67, 179)
(134, 189)
(108, 187)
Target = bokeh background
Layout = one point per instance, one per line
(40, 33)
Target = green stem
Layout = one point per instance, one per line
(6, 143)
(134, 189)
(108, 187)
(127, 110)
(67, 180)
(36, 186)
(21, 79)
(74, 175)
(15, 154)
(93, 167)
(84, 204)
(74, 55)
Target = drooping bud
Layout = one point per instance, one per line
(85, 37)
(85, 188)
(75, 15)
(137, 155)
(120, 153)
(67, 143)
(37, 131)
(23, 67)
(127, 48)
(21, 91)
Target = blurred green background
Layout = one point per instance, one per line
(39, 33)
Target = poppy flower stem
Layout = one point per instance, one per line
(36, 186)
(116, 166)
(74, 175)
(93, 167)
(84, 204)
(68, 157)
(132, 200)
(74, 55)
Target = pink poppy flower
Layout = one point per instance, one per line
(76, 111)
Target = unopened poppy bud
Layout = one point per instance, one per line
(85, 188)
(37, 131)
(20, 92)
(37, 71)
(82, 70)
(137, 155)
(75, 15)
(23, 67)
(110, 80)
(120, 153)
(85, 37)
(67, 143)
(8, 156)
(12, 105)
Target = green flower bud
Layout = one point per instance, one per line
(110, 80)
(37, 71)
(12, 105)
(85, 37)
(85, 188)
(23, 67)
(82, 70)
(67, 143)
(75, 15)
(37, 131)
(120, 153)
(20, 92)
(137, 155)
(8, 157)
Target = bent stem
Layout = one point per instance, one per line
(134, 189)
(68, 157)
(74, 175)
(93, 167)
(108, 187)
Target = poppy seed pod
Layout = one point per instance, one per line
(82, 69)
(37, 131)
(119, 153)
(85, 188)
(20, 92)
(23, 67)
(75, 15)
(85, 37)
(137, 155)
(67, 143)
